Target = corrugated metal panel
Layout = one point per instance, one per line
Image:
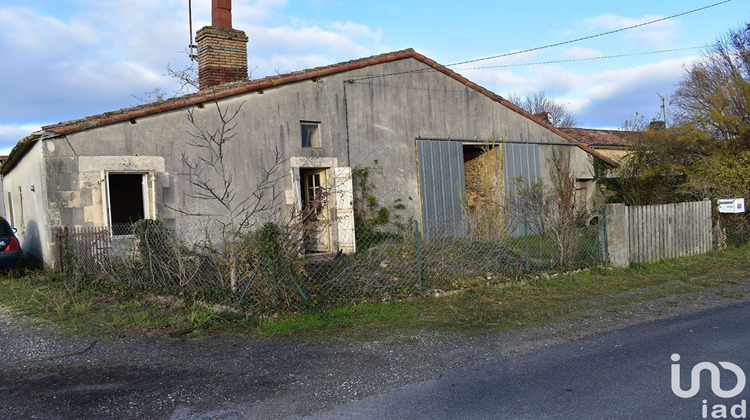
(521, 163)
(442, 187)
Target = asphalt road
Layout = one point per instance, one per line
(623, 374)
(562, 371)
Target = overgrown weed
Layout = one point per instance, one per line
(476, 304)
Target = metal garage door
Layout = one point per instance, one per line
(442, 187)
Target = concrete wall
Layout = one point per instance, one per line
(384, 115)
(27, 208)
(387, 113)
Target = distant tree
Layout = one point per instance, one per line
(636, 123)
(715, 93)
(705, 153)
(538, 103)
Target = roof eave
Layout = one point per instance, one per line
(21, 148)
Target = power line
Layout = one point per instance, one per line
(588, 37)
(550, 46)
(570, 60)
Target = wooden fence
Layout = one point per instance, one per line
(644, 234)
(87, 247)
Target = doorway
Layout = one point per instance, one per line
(315, 210)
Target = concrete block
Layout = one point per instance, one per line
(96, 196)
(71, 217)
(163, 180)
(89, 179)
(618, 235)
(93, 214)
(70, 199)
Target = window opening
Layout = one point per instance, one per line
(126, 202)
(310, 134)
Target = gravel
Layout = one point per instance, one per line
(47, 373)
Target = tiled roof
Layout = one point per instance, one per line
(236, 88)
(599, 138)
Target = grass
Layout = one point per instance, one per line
(502, 304)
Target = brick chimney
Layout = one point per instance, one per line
(657, 125)
(545, 116)
(222, 51)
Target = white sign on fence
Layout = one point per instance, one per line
(732, 205)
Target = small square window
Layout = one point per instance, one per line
(310, 134)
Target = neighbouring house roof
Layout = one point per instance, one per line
(237, 88)
(595, 138)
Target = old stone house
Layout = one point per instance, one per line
(417, 126)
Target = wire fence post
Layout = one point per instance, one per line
(419, 256)
(526, 241)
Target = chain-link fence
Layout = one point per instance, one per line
(274, 269)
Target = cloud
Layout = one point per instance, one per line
(553, 80)
(257, 12)
(600, 99)
(503, 81)
(556, 79)
(88, 63)
(11, 134)
(617, 95)
(655, 34)
(26, 29)
(287, 63)
(356, 30)
(296, 40)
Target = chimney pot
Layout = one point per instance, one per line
(221, 13)
(545, 116)
(657, 125)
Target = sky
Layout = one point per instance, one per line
(64, 60)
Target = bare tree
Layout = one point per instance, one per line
(187, 77)
(235, 207)
(553, 210)
(715, 93)
(538, 103)
(637, 123)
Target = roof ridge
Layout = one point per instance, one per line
(236, 88)
(216, 92)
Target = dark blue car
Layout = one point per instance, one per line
(10, 247)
